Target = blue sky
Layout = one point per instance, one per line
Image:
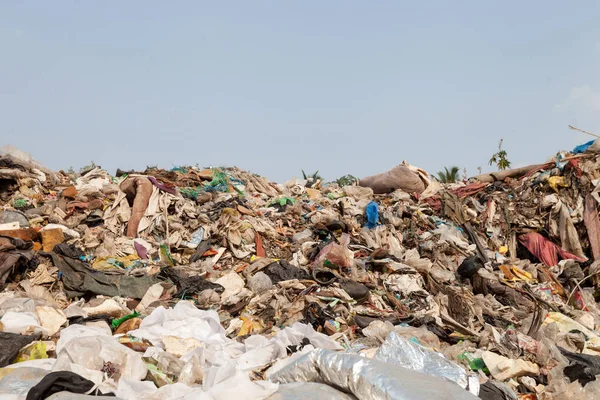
(275, 87)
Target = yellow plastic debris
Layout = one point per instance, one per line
(557, 181)
(108, 263)
(250, 325)
(35, 351)
(513, 273)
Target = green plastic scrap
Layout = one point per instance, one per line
(165, 255)
(219, 178)
(219, 183)
(475, 363)
(283, 201)
(20, 203)
(117, 322)
(191, 192)
(333, 196)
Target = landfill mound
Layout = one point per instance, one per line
(219, 284)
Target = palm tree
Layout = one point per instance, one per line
(448, 175)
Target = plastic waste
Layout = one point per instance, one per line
(116, 322)
(78, 331)
(366, 378)
(21, 322)
(16, 382)
(303, 236)
(502, 368)
(94, 353)
(42, 363)
(475, 363)
(566, 325)
(405, 353)
(336, 255)
(372, 212)
(582, 147)
(35, 351)
(197, 237)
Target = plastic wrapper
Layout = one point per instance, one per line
(335, 255)
(367, 379)
(405, 353)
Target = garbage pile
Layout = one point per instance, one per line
(218, 284)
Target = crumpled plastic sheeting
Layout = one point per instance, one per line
(309, 391)
(292, 336)
(15, 322)
(449, 234)
(87, 356)
(15, 383)
(77, 331)
(235, 384)
(367, 379)
(405, 283)
(405, 353)
(185, 321)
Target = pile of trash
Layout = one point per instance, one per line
(218, 284)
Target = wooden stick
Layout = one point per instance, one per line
(581, 130)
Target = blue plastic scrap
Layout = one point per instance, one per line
(583, 147)
(560, 163)
(372, 215)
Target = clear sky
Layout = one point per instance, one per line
(275, 87)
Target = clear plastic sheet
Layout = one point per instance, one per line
(405, 353)
(15, 383)
(367, 379)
